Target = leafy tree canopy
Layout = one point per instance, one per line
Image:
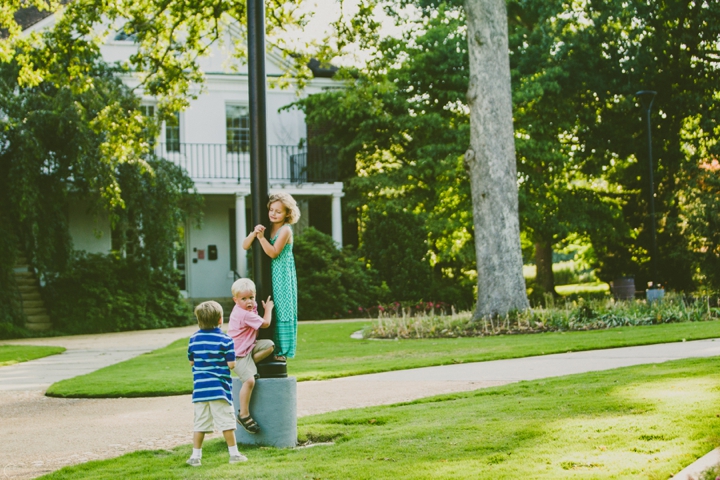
(579, 129)
(171, 37)
(86, 141)
(401, 128)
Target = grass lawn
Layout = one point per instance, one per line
(582, 288)
(327, 351)
(12, 354)
(646, 421)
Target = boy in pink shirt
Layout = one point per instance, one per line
(243, 328)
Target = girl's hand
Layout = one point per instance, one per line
(259, 231)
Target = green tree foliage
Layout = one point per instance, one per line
(84, 141)
(557, 196)
(582, 156)
(171, 37)
(109, 293)
(332, 283)
(601, 53)
(11, 316)
(393, 245)
(401, 128)
(135, 287)
(53, 141)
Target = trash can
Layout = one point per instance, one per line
(623, 288)
(654, 294)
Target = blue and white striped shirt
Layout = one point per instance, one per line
(211, 350)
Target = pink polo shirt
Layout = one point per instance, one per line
(243, 328)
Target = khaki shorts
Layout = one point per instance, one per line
(217, 412)
(245, 367)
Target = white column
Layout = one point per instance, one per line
(240, 234)
(337, 220)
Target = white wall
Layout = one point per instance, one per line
(204, 123)
(210, 278)
(88, 231)
(204, 119)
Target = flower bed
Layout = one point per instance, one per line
(571, 315)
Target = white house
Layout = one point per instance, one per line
(210, 140)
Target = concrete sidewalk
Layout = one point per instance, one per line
(87, 353)
(84, 354)
(404, 385)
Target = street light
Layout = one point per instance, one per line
(258, 146)
(646, 98)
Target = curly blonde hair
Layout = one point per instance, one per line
(293, 212)
(242, 285)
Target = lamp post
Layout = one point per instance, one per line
(646, 98)
(258, 146)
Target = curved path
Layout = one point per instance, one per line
(43, 434)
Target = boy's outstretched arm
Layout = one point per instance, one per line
(267, 317)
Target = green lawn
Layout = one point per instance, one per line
(580, 288)
(12, 354)
(327, 351)
(637, 422)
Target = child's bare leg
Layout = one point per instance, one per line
(229, 437)
(245, 394)
(198, 438)
(263, 354)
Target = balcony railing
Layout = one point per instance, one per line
(286, 163)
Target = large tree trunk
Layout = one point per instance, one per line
(543, 263)
(491, 162)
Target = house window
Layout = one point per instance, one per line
(172, 133)
(149, 112)
(237, 121)
(127, 33)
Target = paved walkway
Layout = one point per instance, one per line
(84, 354)
(48, 433)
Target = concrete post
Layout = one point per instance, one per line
(273, 406)
(240, 227)
(337, 220)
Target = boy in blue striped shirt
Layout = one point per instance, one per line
(212, 355)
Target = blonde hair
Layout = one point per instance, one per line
(242, 285)
(208, 314)
(293, 212)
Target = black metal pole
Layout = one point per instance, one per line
(258, 146)
(647, 97)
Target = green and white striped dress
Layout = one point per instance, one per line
(284, 282)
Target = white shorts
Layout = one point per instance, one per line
(217, 412)
(245, 367)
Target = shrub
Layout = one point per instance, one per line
(395, 246)
(711, 473)
(106, 293)
(332, 283)
(11, 316)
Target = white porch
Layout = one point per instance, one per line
(214, 255)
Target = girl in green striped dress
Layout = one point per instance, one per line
(283, 212)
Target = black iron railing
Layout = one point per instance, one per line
(286, 163)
